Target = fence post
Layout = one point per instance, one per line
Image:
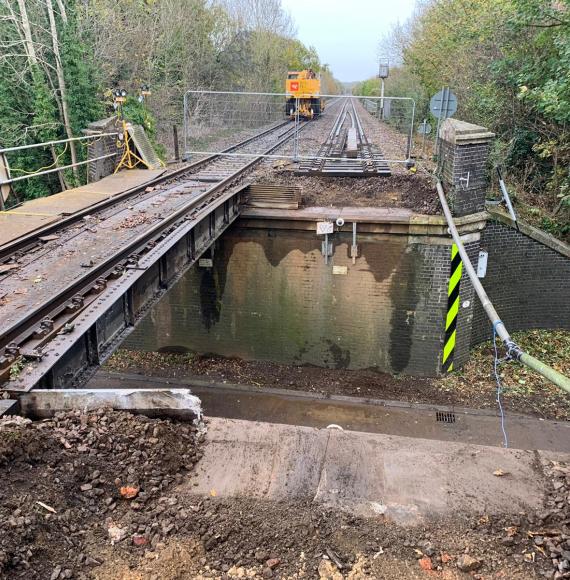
(176, 144)
(6, 188)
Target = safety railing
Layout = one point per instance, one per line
(7, 179)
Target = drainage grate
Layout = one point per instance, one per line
(444, 417)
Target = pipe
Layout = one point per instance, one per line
(513, 350)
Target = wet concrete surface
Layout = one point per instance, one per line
(480, 427)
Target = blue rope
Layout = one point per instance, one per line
(499, 385)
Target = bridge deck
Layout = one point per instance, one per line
(36, 213)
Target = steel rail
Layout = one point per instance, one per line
(24, 242)
(21, 330)
(513, 350)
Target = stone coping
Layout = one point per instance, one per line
(532, 232)
(459, 132)
(372, 219)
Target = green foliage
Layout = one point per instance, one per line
(508, 61)
(171, 45)
(138, 113)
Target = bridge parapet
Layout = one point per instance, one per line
(464, 155)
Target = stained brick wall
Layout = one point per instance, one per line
(528, 283)
(270, 296)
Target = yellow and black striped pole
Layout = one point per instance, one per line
(452, 308)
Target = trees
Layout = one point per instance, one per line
(508, 61)
(58, 59)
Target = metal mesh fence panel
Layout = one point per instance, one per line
(216, 121)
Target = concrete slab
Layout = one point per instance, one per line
(8, 407)
(406, 480)
(259, 460)
(14, 224)
(175, 403)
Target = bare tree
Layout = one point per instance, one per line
(61, 84)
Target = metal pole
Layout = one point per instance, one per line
(185, 124)
(411, 135)
(437, 130)
(176, 143)
(507, 198)
(382, 99)
(513, 350)
(296, 133)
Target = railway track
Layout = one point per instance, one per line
(212, 168)
(55, 282)
(347, 152)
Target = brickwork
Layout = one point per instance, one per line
(464, 153)
(270, 296)
(528, 283)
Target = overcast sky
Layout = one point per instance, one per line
(346, 32)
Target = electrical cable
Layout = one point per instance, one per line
(496, 363)
(54, 164)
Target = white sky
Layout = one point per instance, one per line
(346, 32)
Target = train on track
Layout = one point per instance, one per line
(303, 89)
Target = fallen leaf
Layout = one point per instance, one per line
(213, 493)
(511, 531)
(129, 492)
(425, 563)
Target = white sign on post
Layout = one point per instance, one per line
(325, 228)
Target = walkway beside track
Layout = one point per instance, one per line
(37, 213)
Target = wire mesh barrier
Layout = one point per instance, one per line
(215, 121)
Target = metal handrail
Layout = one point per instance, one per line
(60, 141)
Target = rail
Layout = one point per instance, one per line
(21, 331)
(513, 350)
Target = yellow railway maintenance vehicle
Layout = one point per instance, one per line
(305, 86)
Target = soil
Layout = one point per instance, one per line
(87, 527)
(64, 482)
(415, 192)
(474, 386)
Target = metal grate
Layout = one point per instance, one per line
(445, 417)
(273, 196)
(144, 147)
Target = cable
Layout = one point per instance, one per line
(499, 385)
(54, 164)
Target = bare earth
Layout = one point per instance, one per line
(97, 495)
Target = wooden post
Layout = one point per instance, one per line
(176, 144)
